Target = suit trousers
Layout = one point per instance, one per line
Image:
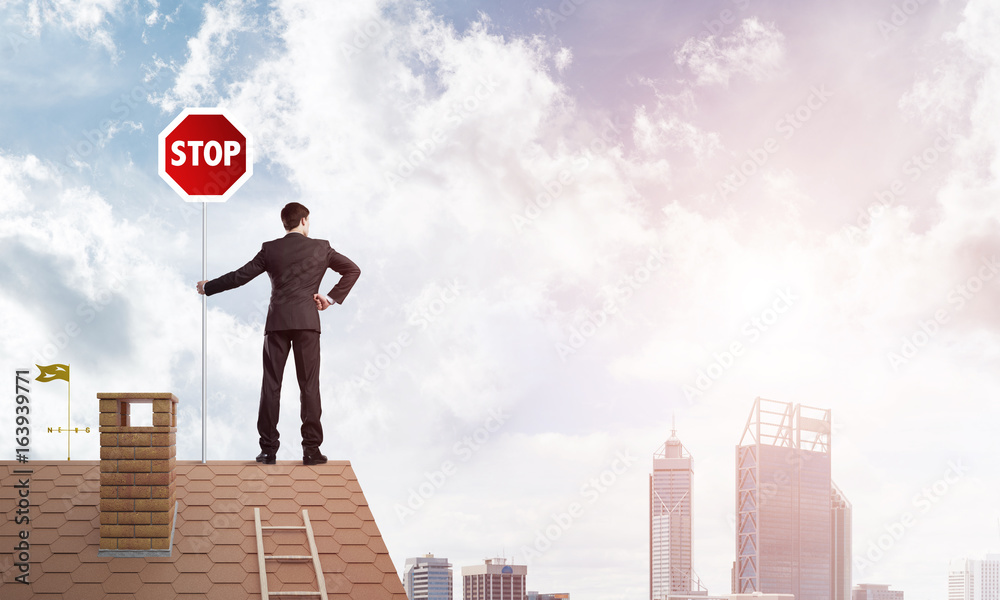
(305, 344)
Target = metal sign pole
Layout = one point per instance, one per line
(197, 130)
(204, 334)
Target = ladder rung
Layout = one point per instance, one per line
(314, 556)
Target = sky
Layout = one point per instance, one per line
(576, 221)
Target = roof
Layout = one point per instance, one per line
(215, 547)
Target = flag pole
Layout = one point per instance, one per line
(67, 415)
(204, 334)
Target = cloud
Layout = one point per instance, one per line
(88, 19)
(448, 111)
(101, 301)
(940, 95)
(755, 50)
(563, 58)
(195, 83)
(655, 133)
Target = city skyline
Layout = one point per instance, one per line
(975, 578)
(790, 427)
(430, 578)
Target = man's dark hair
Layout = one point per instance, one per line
(292, 215)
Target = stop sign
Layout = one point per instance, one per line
(204, 155)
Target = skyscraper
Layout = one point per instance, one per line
(428, 578)
(494, 580)
(975, 579)
(670, 520)
(840, 532)
(784, 528)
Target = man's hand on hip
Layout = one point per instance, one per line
(322, 303)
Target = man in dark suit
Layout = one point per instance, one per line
(296, 265)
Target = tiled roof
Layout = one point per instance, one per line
(215, 547)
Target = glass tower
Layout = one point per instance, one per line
(428, 578)
(670, 520)
(784, 522)
(840, 523)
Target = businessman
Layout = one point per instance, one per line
(296, 265)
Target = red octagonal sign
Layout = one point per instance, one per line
(204, 155)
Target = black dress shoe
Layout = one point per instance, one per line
(314, 459)
(267, 459)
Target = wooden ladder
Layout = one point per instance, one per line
(313, 556)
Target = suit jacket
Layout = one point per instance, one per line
(296, 265)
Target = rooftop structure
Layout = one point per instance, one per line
(875, 591)
(214, 551)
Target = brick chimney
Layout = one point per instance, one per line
(138, 502)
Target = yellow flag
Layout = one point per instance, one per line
(53, 372)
